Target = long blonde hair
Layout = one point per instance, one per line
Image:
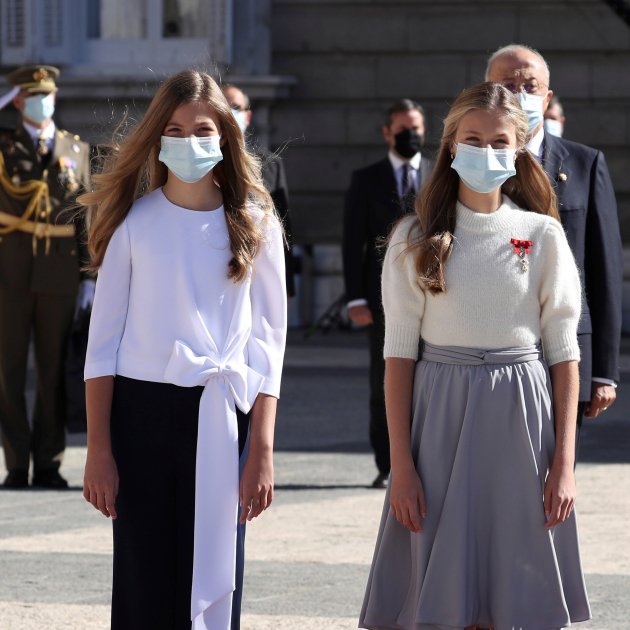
(431, 234)
(131, 169)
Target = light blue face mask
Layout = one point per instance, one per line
(484, 170)
(532, 105)
(240, 115)
(190, 159)
(39, 107)
(554, 127)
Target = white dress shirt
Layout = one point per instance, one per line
(46, 133)
(398, 165)
(535, 144)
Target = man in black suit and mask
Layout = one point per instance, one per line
(378, 196)
(588, 210)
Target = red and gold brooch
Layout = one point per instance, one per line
(521, 249)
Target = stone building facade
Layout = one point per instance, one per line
(321, 73)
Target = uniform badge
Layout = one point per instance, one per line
(521, 249)
(68, 174)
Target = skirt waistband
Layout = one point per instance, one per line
(457, 355)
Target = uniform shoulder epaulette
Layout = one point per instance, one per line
(76, 138)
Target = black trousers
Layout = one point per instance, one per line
(379, 437)
(154, 441)
(49, 319)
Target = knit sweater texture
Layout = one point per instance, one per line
(489, 302)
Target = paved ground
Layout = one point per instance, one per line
(309, 555)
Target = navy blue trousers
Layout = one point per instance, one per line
(154, 441)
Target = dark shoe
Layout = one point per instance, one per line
(49, 480)
(380, 481)
(16, 480)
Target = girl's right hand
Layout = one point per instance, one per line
(406, 498)
(100, 483)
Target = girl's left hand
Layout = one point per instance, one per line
(256, 492)
(560, 493)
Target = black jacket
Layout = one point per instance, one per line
(588, 211)
(372, 207)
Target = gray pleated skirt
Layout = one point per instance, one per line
(482, 436)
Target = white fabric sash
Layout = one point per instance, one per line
(227, 381)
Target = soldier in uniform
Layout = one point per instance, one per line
(42, 169)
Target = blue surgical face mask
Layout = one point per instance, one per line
(484, 170)
(39, 107)
(532, 105)
(241, 118)
(554, 127)
(190, 159)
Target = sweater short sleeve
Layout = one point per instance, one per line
(560, 298)
(403, 297)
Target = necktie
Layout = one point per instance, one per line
(406, 180)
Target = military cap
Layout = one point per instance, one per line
(35, 79)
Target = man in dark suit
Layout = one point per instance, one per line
(275, 182)
(274, 177)
(42, 168)
(588, 210)
(378, 196)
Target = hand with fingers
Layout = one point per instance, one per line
(100, 483)
(602, 396)
(559, 494)
(360, 315)
(256, 491)
(406, 498)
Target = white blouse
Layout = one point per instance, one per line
(164, 278)
(166, 311)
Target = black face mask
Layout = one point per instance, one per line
(408, 142)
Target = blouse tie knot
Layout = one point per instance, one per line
(217, 467)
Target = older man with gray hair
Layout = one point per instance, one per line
(588, 211)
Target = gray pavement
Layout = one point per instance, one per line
(308, 556)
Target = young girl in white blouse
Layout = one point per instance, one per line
(478, 528)
(188, 325)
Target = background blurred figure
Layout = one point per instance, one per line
(274, 176)
(588, 211)
(554, 118)
(378, 196)
(42, 168)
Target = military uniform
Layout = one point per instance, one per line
(41, 251)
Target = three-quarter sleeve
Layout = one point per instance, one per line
(109, 311)
(403, 298)
(560, 298)
(265, 347)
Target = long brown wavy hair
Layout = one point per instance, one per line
(431, 234)
(131, 169)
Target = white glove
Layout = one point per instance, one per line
(85, 296)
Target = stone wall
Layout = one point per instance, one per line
(352, 58)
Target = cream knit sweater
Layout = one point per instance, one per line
(490, 302)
